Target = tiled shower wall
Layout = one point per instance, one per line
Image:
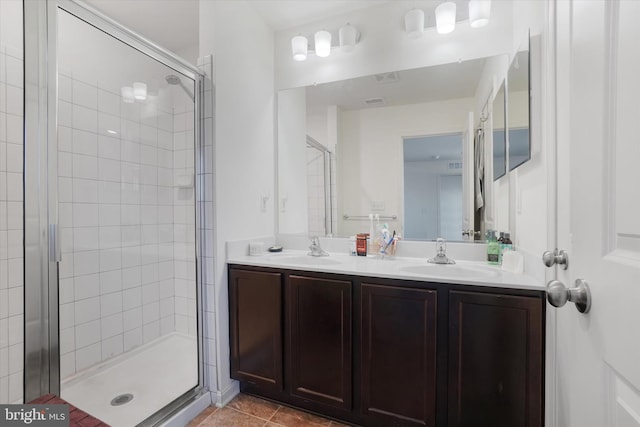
(11, 202)
(316, 192)
(126, 215)
(184, 219)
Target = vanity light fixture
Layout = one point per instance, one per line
(348, 37)
(322, 40)
(140, 91)
(479, 13)
(446, 17)
(127, 95)
(299, 48)
(414, 23)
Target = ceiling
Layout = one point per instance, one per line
(174, 24)
(433, 148)
(282, 14)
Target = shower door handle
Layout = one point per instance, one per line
(55, 254)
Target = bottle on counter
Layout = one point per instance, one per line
(493, 248)
(352, 246)
(505, 245)
(361, 244)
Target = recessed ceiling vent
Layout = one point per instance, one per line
(374, 102)
(385, 78)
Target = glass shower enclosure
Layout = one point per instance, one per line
(121, 241)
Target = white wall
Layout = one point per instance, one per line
(370, 155)
(243, 75)
(11, 202)
(292, 173)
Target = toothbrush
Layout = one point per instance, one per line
(390, 241)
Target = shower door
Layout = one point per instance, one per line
(122, 220)
(319, 191)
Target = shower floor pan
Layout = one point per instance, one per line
(129, 388)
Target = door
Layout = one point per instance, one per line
(111, 221)
(450, 206)
(598, 353)
(256, 327)
(319, 340)
(495, 359)
(398, 355)
(468, 167)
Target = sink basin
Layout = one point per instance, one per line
(305, 260)
(452, 270)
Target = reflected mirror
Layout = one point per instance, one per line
(499, 135)
(518, 107)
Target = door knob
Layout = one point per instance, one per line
(558, 295)
(561, 258)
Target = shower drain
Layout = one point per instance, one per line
(122, 399)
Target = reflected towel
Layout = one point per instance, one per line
(479, 169)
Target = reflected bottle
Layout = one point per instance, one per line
(493, 248)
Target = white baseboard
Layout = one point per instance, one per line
(221, 398)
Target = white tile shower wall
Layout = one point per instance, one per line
(11, 203)
(184, 230)
(208, 290)
(118, 218)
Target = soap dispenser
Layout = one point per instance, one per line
(493, 248)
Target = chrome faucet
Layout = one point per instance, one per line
(441, 253)
(315, 248)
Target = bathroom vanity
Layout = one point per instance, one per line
(389, 343)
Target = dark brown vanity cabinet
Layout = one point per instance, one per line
(385, 352)
(318, 331)
(496, 346)
(398, 355)
(255, 320)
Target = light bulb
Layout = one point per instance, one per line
(140, 91)
(446, 17)
(323, 43)
(127, 94)
(414, 23)
(348, 36)
(479, 13)
(299, 47)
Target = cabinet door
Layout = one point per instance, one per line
(319, 340)
(495, 360)
(398, 351)
(255, 309)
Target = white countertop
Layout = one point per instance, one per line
(404, 268)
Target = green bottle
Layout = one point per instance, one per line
(493, 248)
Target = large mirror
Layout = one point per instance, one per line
(519, 108)
(400, 146)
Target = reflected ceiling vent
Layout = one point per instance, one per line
(374, 102)
(385, 78)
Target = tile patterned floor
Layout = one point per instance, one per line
(249, 411)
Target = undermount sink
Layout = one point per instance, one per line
(452, 270)
(305, 260)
